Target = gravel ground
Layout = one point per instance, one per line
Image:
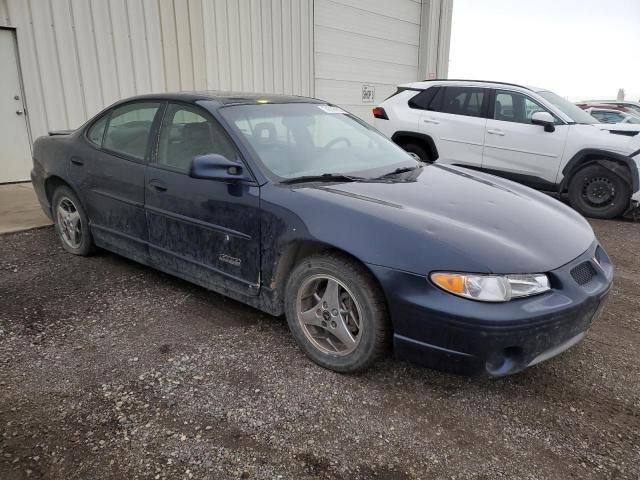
(109, 369)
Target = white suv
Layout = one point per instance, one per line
(529, 135)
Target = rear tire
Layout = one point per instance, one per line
(347, 334)
(597, 192)
(71, 222)
(420, 151)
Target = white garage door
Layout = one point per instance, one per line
(363, 49)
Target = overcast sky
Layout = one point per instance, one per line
(578, 48)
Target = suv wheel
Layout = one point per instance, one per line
(336, 312)
(597, 192)
(420, 151)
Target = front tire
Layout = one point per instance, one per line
(418, 150)
(71, 222)
(597, 192)
(337, 313)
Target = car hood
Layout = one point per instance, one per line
(444, 217)
(626, 128)
(602, 136)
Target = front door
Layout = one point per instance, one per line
(15, 157)
(515, 148)
(207, 231)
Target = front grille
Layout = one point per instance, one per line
(583, 273)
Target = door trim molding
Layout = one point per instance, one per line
(117, 232)
(520, 150)
(117, 198)
(199, 223)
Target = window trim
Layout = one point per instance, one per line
(153, 156)
(492, 104)
(152, 131)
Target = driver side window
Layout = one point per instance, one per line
(515, 107)
(187, 132)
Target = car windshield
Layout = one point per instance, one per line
(634, 108)
(295, 140)
(571, 110)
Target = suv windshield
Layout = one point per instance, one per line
(304, 140)
(574, 112)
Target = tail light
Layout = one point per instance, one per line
(378, 112)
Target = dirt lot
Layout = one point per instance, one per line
(109, 369)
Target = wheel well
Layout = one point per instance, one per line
(51, 185)
(294, 253)
(425, 141)
(617, 166)
(297, 252)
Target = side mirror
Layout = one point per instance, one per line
(544, 119)
(217, 167)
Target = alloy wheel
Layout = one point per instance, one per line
(69, 223)
(329, 315)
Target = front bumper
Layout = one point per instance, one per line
(443, 331)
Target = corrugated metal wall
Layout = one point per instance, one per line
(365, 42)
(435, 38)
(379, 44)
(78, 56)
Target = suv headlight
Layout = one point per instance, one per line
(491, 288)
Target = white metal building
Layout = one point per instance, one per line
(62, 61)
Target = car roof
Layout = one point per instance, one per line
(617, 102)
(225, 98)
(484, 83)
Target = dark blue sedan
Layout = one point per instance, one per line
(296, 207)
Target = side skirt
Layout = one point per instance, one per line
(266, 300)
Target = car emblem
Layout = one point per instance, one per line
(236, 262)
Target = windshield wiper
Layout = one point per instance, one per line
(399, 170)
(325, 177)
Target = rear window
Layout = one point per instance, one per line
(424, 99)
(96, 132)
(129, 129)
(463, 101)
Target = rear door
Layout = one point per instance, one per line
(454, 118)
(517, 149)
(108, 170)
(204, 230)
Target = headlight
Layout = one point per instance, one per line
(491, 288)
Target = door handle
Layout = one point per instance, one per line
(431, 120)
(77, 161)
(496, 132)
(19, 112)
(158, 185)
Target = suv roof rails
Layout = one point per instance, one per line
(470, 80)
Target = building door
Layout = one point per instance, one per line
(15, 155)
